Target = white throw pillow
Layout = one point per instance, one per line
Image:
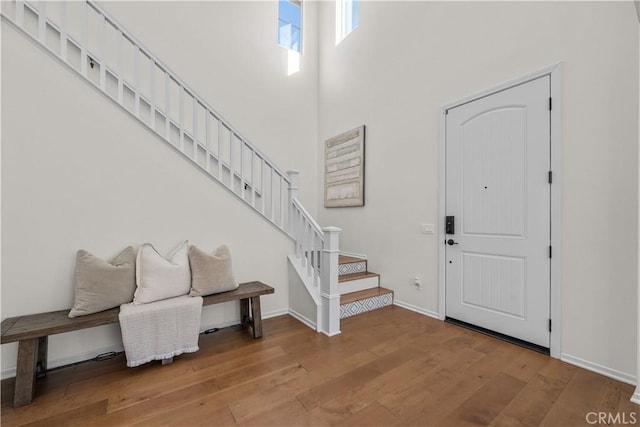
(161, 277)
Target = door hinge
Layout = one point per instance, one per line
(550, 104)
(549, 325)
(550, 177)
(549, 251)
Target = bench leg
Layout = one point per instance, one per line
(41, 362)
(244, 312)
(26, 372)
(257, 317)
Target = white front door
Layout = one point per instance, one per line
(498, 157)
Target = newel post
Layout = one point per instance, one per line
(329, 284)
(292, 192)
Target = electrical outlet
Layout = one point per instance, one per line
(417, 283)
(427, 228)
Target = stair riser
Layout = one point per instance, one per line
(364, 305)
(352, 267)
(359, 284)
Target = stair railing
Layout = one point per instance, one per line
(88, 41)
(308, 235)
(91, 43)
(317, 251)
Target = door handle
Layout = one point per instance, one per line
(451, 242)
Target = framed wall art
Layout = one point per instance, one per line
(344, 169)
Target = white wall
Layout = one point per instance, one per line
(636, 395)
(407, 59)
(301, 304)
(77, 172)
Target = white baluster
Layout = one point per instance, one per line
(136, 80)
(309, 250)
(152, 94)
(283, 202)
(63, 31)
(253, 178)
(301, 238)
(103, 53)
(298, 235)
(20, 13)
(314, 236)
(273, 196)
(316, 266)
(120, 59)
(195, 130)
(263, 180)
(181, 117)
(220, 127)
(292, 192)
(232, 173)
(42, 22)
(294, 222)
(207, 131)
(304, 238)
(84, 36)
(167, 107)
(242, 189)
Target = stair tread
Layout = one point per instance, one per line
(346, 259)
(367, 293)
(356, 276)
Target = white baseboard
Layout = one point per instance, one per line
(416, 309)
(84, 357)
(8, 373)
(275, 313)
(635, 398)
(310, 323)
(602, 370)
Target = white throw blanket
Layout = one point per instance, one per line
(161, 329)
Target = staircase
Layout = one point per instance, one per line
(360, 289)
(94, 46)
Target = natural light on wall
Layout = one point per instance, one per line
(346, 18)
(293, 62)
(290, 32)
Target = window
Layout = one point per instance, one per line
(346, 18)
(290, 24)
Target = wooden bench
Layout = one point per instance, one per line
(32, 332)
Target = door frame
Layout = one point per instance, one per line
(555, 73)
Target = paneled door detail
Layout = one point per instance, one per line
(498, 157)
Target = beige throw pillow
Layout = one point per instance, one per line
(100, 285)
(161, 277)
(211, 274)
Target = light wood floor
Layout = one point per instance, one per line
(388, 367)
